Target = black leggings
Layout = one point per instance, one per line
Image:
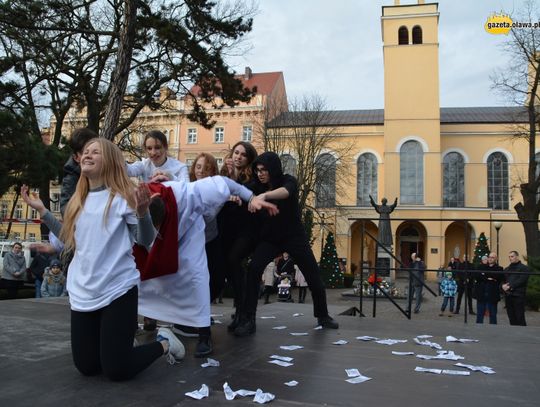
(215, 259)
(102, 340)
(298, 248)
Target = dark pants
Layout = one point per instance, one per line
(461, 291)
(215, 259)
(481, 308)
(11, 286)
(302, 291)
(299, 250)
(236, 250)
(102, 340)
(445, 303)
(515, 308)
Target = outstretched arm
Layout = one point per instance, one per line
(394, 204)
(373, 203)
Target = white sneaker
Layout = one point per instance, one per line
(176, 350)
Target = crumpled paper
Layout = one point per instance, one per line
(390, 341)
(450, 338)
(442, 354)
(428, 343)
(199, 394)
(211, 363)
(483, 369)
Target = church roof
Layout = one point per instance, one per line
(449, 115)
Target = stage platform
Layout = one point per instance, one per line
(36, 367)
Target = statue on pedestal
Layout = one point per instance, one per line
(385, 231)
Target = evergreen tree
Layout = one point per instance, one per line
(481, 249)
(331, 274)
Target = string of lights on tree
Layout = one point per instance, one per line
(481, 249)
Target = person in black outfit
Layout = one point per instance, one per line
(285, 265)
(40, 261)
(486, 289)
(514, 289)
(281, 233)
(464, 282)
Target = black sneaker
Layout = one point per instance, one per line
(328, 322)
(187, 331)
(246, 327)
(204, 347)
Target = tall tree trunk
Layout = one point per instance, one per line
(121, 74)
(17, 194)
(528, 215)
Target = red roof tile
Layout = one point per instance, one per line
(264, 81)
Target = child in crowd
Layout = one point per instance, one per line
(449, 289)
(54, 281)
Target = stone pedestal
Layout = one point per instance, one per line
(384, 264)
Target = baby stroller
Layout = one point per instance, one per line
(284, 288)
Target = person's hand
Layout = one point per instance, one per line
(33, 201)
(229, 165)
(160, 176)
(142, 199)
(43, 248)
(506, 287)
(257, 203)
(236, 199)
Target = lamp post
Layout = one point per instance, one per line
(497, 225)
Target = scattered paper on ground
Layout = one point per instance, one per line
(340, 342)
(402, 353)
(424, 336)
(283, 358)
(211, 363)
(230, 394)
(268, 317)
(442, 371)
(442, 354)
(291, 347)
(216, 315)
(292, 383)
(352, 372)
(280, 327)
(390, 341)
(217, 322)
(483, 369)
(299, 333)
(262, 398)
(367, 338)
(450, 338)
(298, 314)
(318, 327)
(280, 363)
(428, 343)
(358, 379)
(199, 394)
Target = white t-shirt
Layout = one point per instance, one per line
(146, 169)
(103, 267)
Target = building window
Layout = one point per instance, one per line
(55, 202)
(403, 35)
(32, 237)
(325, 186)
(219, 162)
(219, 135)
(17, 235)
(411, 173)
(417, 35)
(497, 167)
(453, 180)
(190, 161)
(18, 212)
(247, 133)
(289, 164)
(192, 136)
(3, 210)
(366, 181)
(34, 214)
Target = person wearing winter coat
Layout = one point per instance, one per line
(54, 281)
(448, 289)
(487, 289)
(515, 288)
(14, 270)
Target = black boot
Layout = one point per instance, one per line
(204, 346)
(247, 325)
(235, 322)
(328, 322)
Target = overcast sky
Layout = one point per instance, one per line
(334, 48)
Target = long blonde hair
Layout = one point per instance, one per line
(115, 179)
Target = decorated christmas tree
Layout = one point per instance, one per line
(331, 274)
(481, 249)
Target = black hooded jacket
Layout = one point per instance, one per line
(288, 222)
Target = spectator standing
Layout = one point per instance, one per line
(14, 270)
(301, 284)
(515, 288)
(40, 261)
(449, 289)
(487, 289)
(464, 282)
(269, 276)
(418, 269)
(54, 281)
(285, 265)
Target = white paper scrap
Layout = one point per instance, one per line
(217, 322)
(425, 370)
(292, 383)
(428, 343)
(352, 372)
(390, 341)
(340, 342)
(402, 353)
(280, 327)
(280, 363)
(367, 338)
(216, 315)
(268, 317)
(283, 358)
(483, 369)
(199, 394)
(245, 393)
(424, 336)
(456, 372)
(298, 314)
(291, 347)
(211, 363)
(442, 354)
(262, 398)
(450, 338)
(358, 379)
(299, 333)
(318, 328)
(229, 393)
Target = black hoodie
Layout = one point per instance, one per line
(288, 222)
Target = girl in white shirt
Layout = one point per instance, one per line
(158, 166)
(99, 223)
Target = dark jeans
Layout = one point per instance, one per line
(300, 251)
(215, 259)
(302, 291)
(461, 291)
(11, 286)
(515, 308)
(236, 250)
(481, 308)
(445, 303)
(102, 340)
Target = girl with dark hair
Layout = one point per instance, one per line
(158, 166)
(283, 233)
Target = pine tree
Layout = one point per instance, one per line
(331, 274)
(481, 249)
